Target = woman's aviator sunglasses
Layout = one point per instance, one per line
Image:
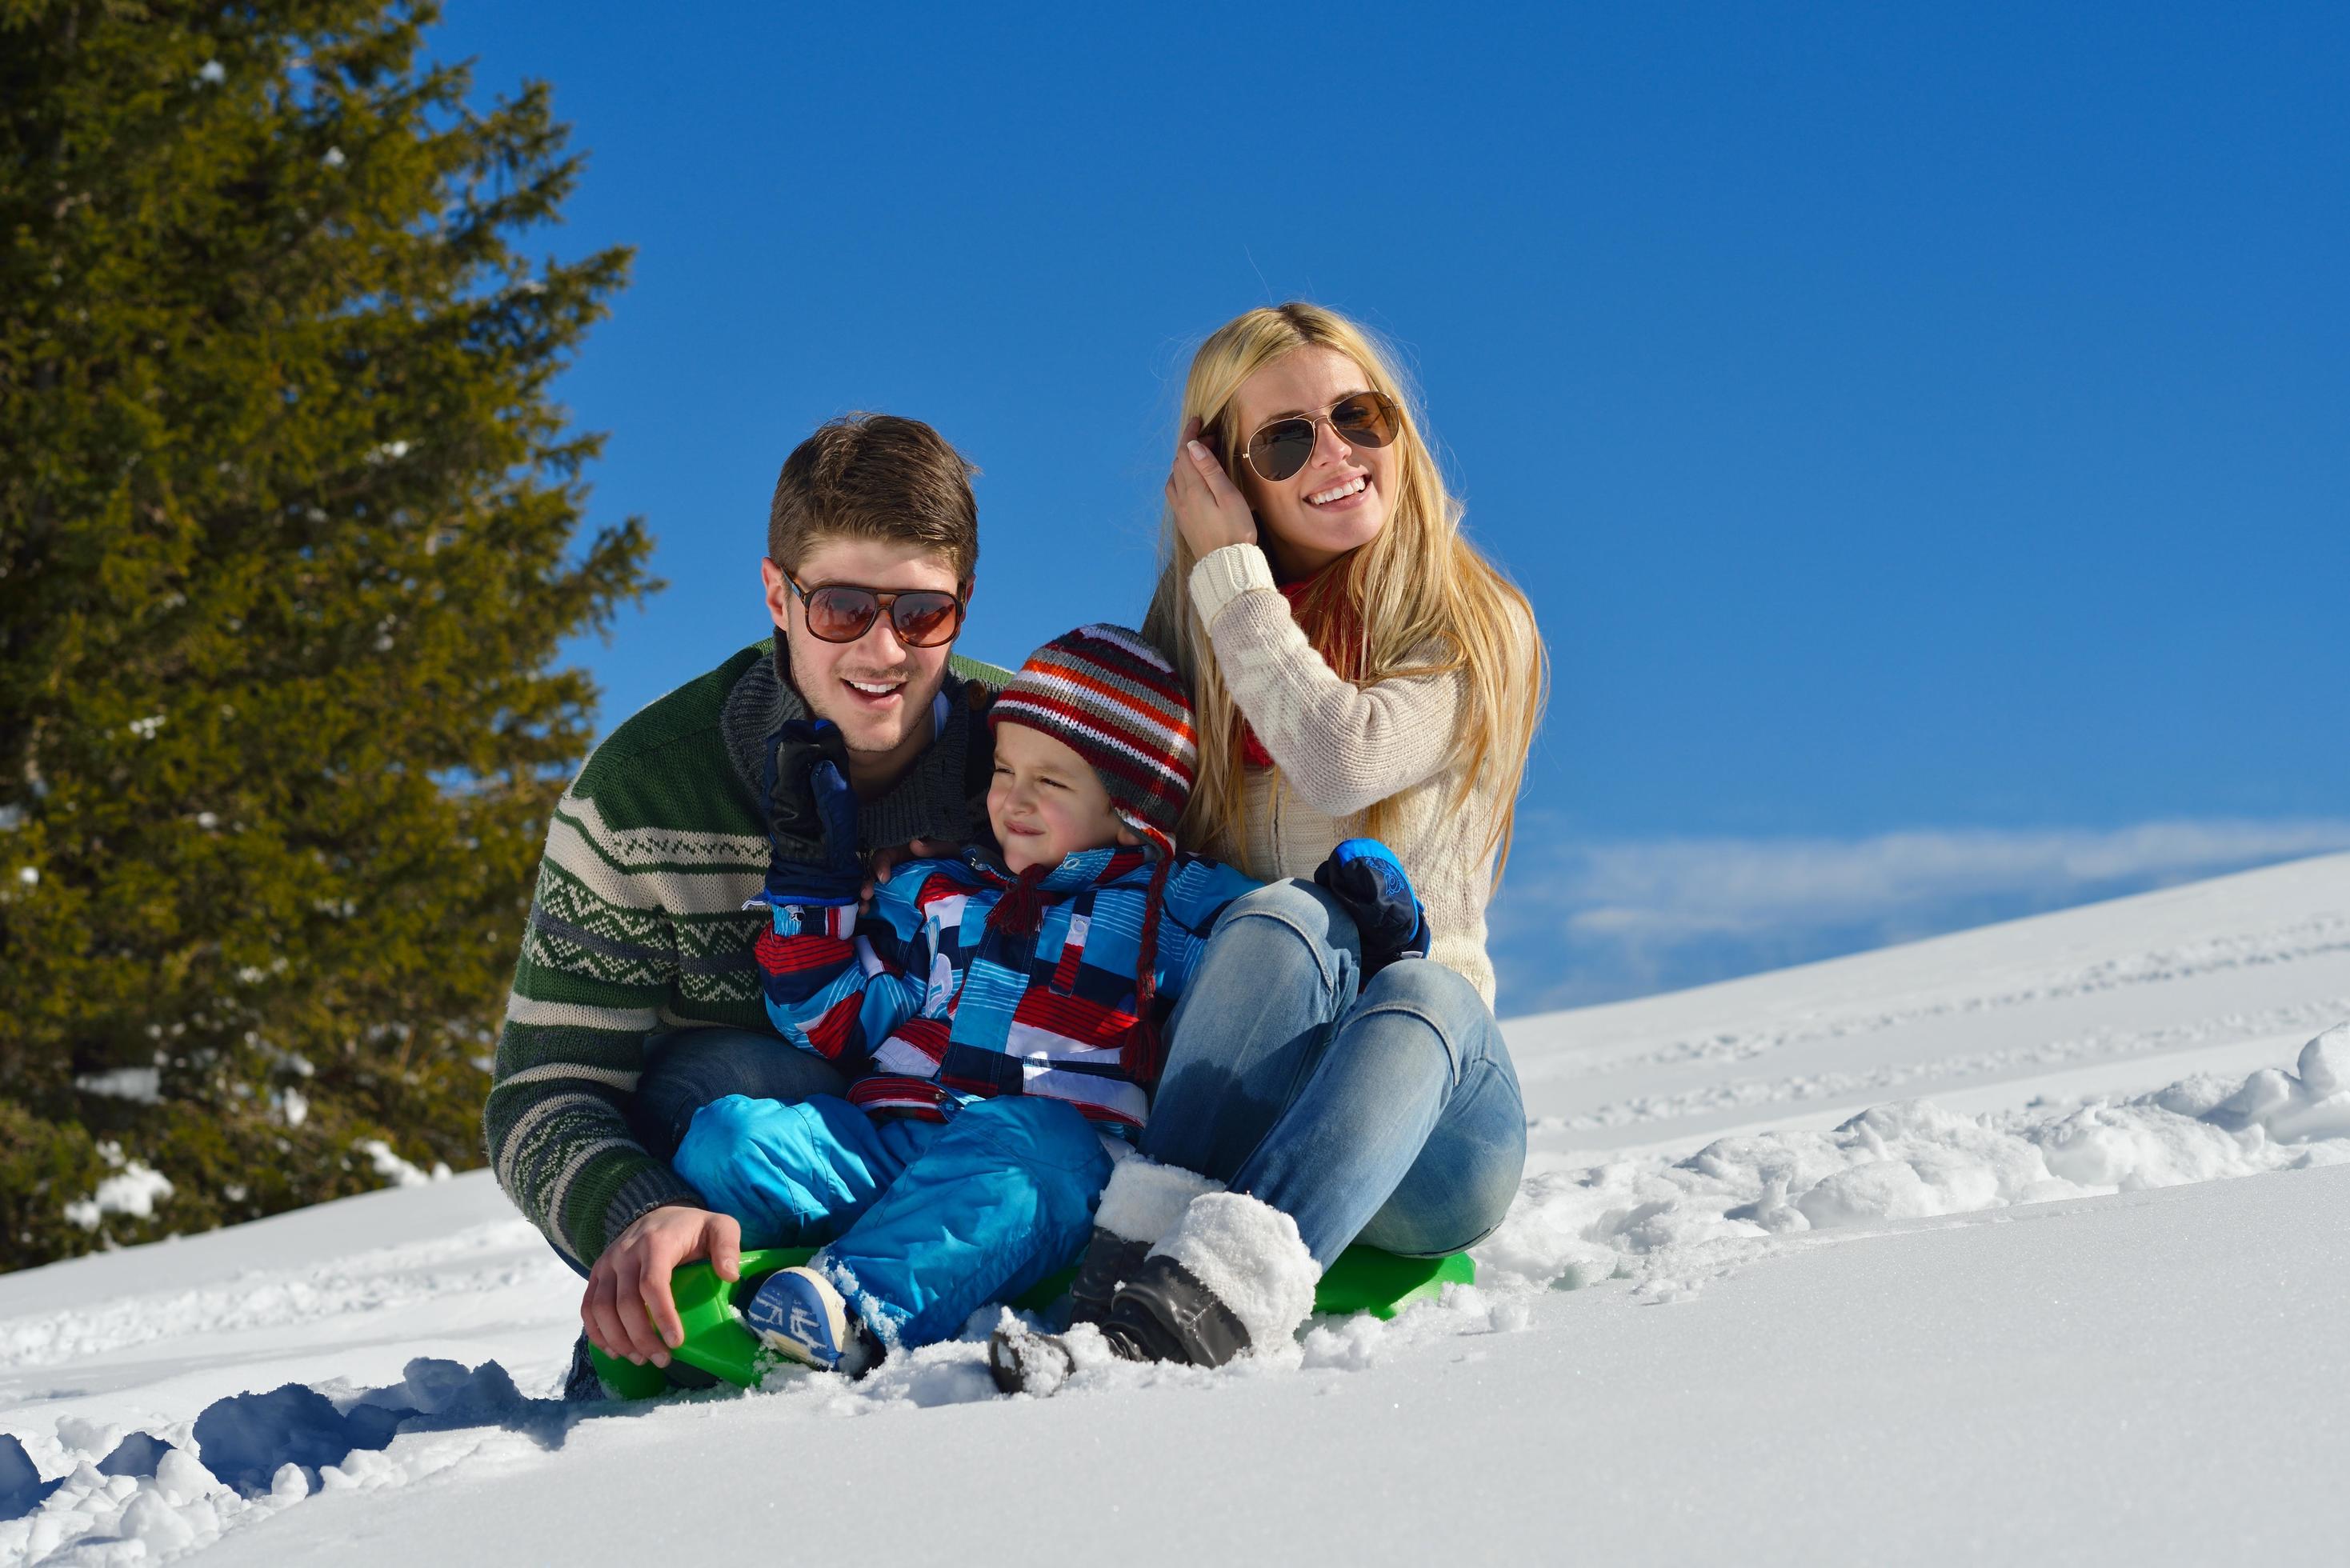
(922, 618)
(1278, 450)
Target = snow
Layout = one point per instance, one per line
(2020, 1241)
(132, 1191)
(391, 1167)
(143, 1085)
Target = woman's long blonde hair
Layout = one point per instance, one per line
(1426, 601)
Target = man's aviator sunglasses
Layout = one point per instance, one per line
(1278, 450)
(922, 618)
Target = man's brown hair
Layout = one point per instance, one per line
(875, 476)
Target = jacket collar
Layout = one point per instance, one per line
(1086, 869)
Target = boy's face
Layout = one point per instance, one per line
(1046, 802)
(876, 688)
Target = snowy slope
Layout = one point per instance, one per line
(2034, 1316)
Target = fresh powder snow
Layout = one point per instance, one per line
(1935, 1254)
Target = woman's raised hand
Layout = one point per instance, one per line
(1210, 509)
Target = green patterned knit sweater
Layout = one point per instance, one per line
(638, 925)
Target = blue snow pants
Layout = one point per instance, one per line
(921, 1224)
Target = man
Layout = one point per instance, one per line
(636, 999)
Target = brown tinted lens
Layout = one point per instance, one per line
(1366, 419)
(841, 614)
(924, 619)
(1280, 447)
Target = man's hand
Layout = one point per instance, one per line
(628, 1310)
(811, 817)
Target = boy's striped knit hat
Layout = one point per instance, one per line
(1112, 698)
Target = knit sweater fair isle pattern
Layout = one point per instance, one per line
(638, 924)
(1338, 749)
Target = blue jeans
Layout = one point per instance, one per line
(921, 1225)
(1383, 1111)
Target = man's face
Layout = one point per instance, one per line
(878, 690)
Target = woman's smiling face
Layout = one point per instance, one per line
(1338, 500)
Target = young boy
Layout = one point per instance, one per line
(999, 1014)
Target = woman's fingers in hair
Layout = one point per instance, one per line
(1210, 511)
(1212, 476)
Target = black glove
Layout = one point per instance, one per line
(811, 817)
(1365, 876)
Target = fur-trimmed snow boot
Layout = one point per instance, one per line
(1231, 1277)
(1142, 1202)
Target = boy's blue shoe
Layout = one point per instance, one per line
(796, 1314)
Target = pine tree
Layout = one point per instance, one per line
(290, 531)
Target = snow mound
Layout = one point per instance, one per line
(246, 1438)
(150, 1498)
(134, 1190)
(1672, 1226)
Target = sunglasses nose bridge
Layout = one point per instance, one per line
(1341, 447)
(883, 633)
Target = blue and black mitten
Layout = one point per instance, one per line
(1364, 875)
(811, 818)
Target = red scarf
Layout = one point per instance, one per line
(1330, 624)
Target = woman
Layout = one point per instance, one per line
(1358, 669)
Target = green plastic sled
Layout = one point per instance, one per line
(1363, 1278)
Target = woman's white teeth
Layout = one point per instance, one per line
(1340, 492)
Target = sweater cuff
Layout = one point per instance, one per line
(1220, 576)
(642, 1185)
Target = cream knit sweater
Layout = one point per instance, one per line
(1339, 749)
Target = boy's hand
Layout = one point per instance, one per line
(1364, 875)
(812, 817)
(886, 861)
(628, 1309)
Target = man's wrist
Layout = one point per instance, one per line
(654, 1186)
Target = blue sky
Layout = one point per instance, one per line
(1924, 433)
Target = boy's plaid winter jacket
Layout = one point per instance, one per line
(928, 1004)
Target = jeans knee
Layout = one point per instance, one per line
(1456, 1203)
(1425, 986)
(1319, 931)
(1298, 904)
(1451, 1016)
(1490, 1154)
